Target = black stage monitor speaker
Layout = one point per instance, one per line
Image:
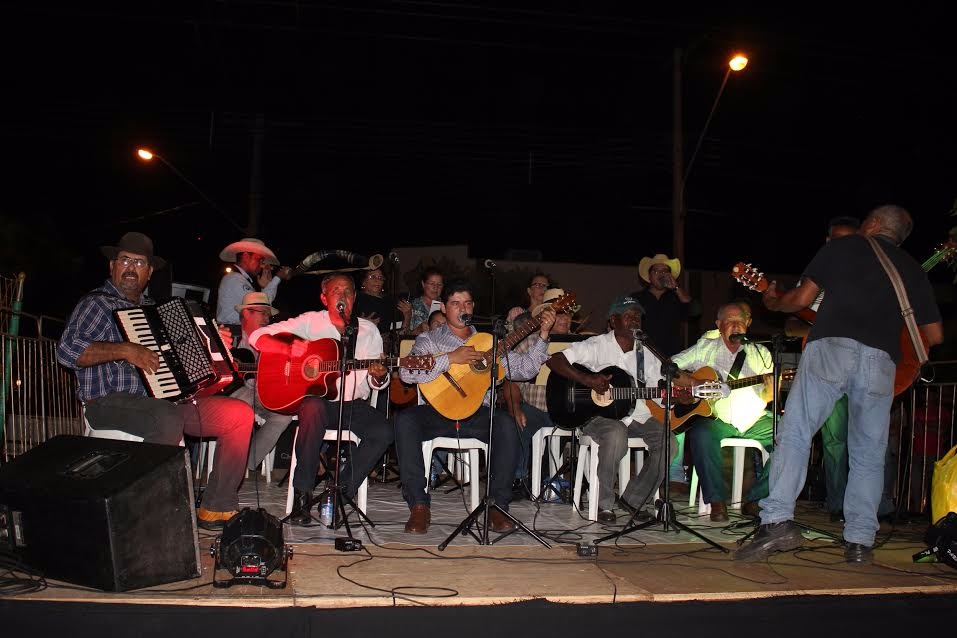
(113, 515)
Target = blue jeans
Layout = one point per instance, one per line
(829, 368)
(704, 437)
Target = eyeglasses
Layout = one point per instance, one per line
(125, 261)
(539, 285)
(376, 277)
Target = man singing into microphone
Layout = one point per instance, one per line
(317, 414)
(742, 414)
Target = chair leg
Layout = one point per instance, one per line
(579, 475)
(292, 470)
(593, 483)
(473, 472)
(538, 442)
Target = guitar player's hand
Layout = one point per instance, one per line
(599, 382)
(547, 319)
(141, 356)
(298, 347)
(378, 372)
(464, 354)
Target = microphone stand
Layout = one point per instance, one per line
(777, 345)
(666, 514)
(339, 497)
(482, 509)
(393, 352)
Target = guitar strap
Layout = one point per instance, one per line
(906, 310)
(737, 365)
(640, 360)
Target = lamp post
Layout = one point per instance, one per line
(148, 156)
(680, 172)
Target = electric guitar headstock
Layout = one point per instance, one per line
(749, 277)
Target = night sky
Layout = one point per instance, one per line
(393, 123)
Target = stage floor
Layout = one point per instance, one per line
(649, 565)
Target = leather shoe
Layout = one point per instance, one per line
(771, 538)
(210, 519)
(419, 519)
(857, 553)
(751, 508)
(606, 517)
(301, 504)
(676, 488)
(640, 516)
(498, 522)
(719, 512)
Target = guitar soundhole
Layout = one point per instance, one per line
(480, 366)
(310, 367)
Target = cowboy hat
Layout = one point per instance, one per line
(551, 295)
(256, 300)
(248, 245)
(647, 262)
(136, 243)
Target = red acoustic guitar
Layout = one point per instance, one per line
(908, 368)
(283, 381)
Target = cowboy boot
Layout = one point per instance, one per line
(301, 504)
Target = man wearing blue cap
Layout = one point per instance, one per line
(619, 348)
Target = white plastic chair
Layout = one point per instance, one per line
(737, 474)
(554, 436)
(588, 457)
(454, 445)
(362, 494)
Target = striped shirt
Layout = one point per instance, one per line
(92, 321)
(441, 341)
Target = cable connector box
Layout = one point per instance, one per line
(587, 550)
(348, 544)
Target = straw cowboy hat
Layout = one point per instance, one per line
(248, 245)
(551, 295)
(256, 300)
(136, 243)
(647, 262)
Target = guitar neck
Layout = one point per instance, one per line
(513, 338)
(744, 382)
(359, 364)
(640, 393)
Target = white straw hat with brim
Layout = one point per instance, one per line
(136, 243)
(248, 245)
(647, 262)
(256, 300)
(551, 295)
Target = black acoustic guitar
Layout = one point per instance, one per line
(571, 404)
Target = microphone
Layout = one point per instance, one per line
(341, 307)
(489, 264)
(740, 338)
(394, 257)
(466, 318)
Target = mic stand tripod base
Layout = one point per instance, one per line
(666, 516)
(483, 536)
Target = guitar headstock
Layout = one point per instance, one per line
(947, 250)
(565, 303)
(418, 362)
(749, 277)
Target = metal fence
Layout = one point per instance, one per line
(39, 395)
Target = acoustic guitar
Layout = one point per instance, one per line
(283, 381)
(571, 404)
(908, 367)
(705, 407)
(458, 392)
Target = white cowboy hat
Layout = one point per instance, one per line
(551, 295)
(248, 245)
(647, 262)
(256, 300)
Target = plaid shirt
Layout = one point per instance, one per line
(517, 365)
(92, 320)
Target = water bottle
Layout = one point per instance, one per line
(325, 508)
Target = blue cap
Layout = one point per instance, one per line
(621, 304)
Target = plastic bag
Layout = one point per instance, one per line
(943, 487)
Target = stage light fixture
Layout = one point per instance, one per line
(250, 548)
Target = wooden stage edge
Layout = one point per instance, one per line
(479, 575)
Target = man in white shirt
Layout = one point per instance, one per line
(316, 414)
(742, 414)
(617, 348)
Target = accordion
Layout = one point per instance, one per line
(194, 362)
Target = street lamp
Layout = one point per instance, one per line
(146, 155)
(680, 173)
